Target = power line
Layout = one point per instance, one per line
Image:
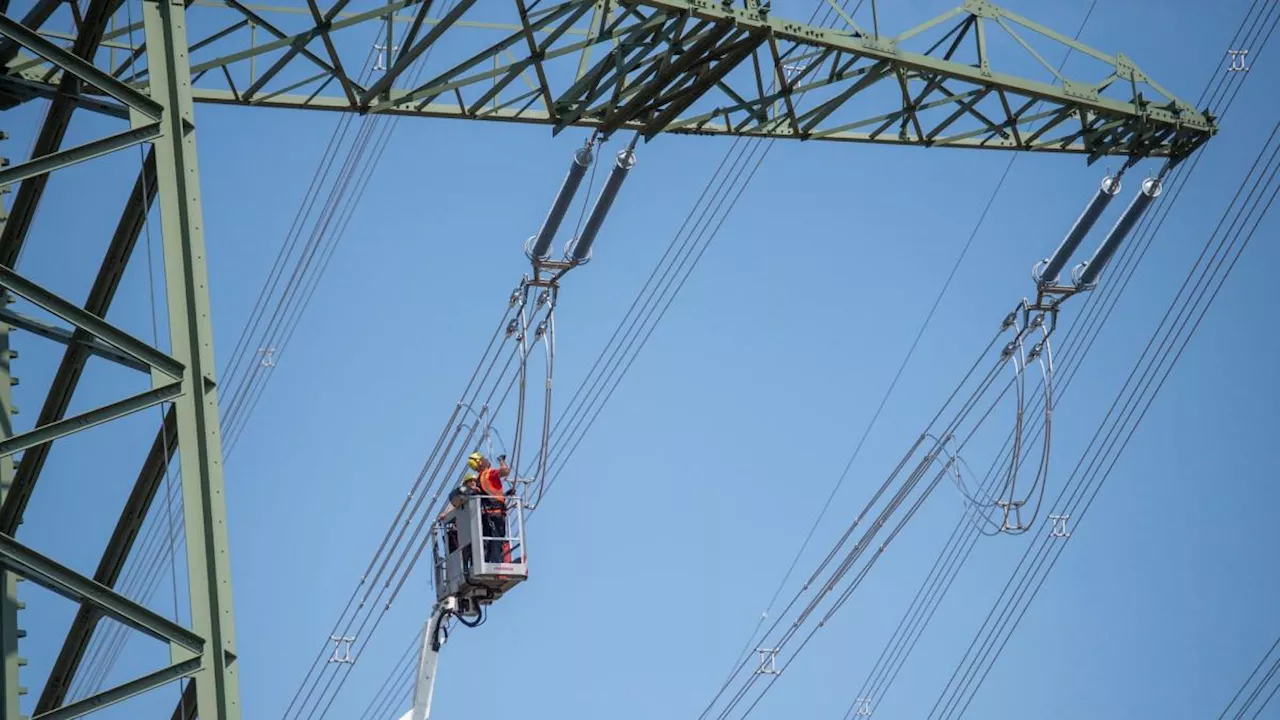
(905, 487)
(724, 188)
(244, 379)
(1207, 245)
(801, 619)
(1258, 688)
(106, 647)
(408, 534)
(393, 688)
(964, 536)
(902, 366)
(1135, 398)
(359, 166)
(726, 184)
(701, 225)
(1102, 311)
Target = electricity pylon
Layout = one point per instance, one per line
(654, 66)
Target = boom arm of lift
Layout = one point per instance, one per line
(424, 680)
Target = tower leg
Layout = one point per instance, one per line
(11, 688)
(191, 336)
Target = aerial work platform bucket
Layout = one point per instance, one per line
(479, 551)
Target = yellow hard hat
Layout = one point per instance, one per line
(474, 461)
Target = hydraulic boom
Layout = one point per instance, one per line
(424, 678)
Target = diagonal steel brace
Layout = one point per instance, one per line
(83, 421)
(90, 323)
(20, 559)
(120, 693)
(45, 164)
(67, 337)
(80, 68)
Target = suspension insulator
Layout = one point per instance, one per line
(1086, 274)
(1046, 273)
(579, 250)
(540, 244)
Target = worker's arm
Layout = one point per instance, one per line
(457, 498)
(503, 471)
(448, 507)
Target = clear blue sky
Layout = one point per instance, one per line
(665, 537)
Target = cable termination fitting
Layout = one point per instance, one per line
(538, 247)
(578, 250)
(1046, 271)
(1085, 275)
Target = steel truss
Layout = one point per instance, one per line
(161, 114)
(683, 66)
(654, 66)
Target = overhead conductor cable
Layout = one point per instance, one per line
(579, 249)
(541, 243)
(1047, 273)
(1086, 274)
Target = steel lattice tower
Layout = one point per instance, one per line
(702, 67)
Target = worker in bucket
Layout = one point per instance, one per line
(493, 506)
(458, 497)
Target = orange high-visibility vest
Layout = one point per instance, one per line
(490, 485)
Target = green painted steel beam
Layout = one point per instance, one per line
(123, 692)
(71, 36)
(258, 49)
(170, 173)
(82, 69)
(41, 166)
(695, 67)
(11, 688)
(54, 128)
(846, 134)
(217, 684)
(90, 418)
(72, 365)
(751, 93)
(66, 582)
(110, 567)
(186, 707)
(90, 323)
(68, 337)
(41, 11)
(16, 89)
(408, 55)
